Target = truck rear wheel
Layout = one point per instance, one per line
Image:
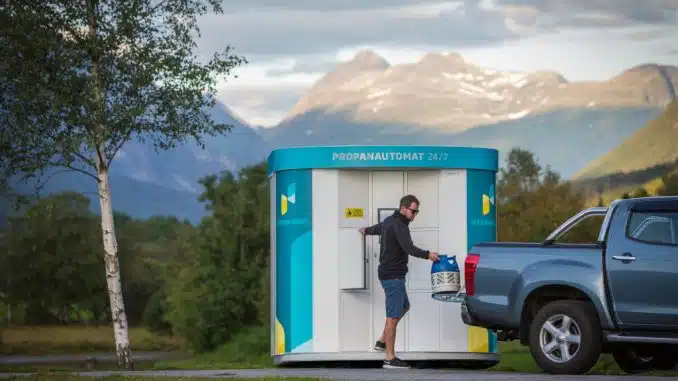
(565, 337)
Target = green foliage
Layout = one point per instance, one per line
(532, 201)
(87, 77)
(640, 192)
(52, 245)
(248, 348)
(149, 250)
(225, 287)
(669, 185)
(155, 313)
(51, 262)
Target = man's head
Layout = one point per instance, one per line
(409, 206)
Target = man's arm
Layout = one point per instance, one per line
(372, 230)
(405, 241)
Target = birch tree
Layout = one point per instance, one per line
(81, 78)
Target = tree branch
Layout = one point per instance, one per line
(85, 159)
(115, 150)
(84, 172)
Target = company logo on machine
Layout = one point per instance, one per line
(289, 198)
(488, 201)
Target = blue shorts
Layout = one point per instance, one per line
(396, 297)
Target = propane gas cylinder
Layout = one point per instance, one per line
(445, 277)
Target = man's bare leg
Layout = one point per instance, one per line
(389, 337)
(383, 333)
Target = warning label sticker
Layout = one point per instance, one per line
(353, 213)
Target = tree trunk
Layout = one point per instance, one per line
(118, 316)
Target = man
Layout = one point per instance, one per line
(396, 243)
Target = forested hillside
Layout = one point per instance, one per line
(653, 145)
(643, 164)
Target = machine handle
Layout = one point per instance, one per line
(366, 261)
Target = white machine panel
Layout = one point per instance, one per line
(453, 334)
(355, 325)
(354, 198)
(352, 260)
(419, 274)
(423, 316)
(424, 185)
(325, 257)
(452, 201)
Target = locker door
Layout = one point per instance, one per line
(423, 315)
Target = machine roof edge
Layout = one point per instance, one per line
(383, 156)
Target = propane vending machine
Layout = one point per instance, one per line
(326, 301)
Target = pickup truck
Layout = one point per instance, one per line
(571, 302)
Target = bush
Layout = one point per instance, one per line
(250, 348)
(224, 286)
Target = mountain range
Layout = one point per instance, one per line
(442, 99)
(445, 91)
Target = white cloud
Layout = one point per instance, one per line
(262, 98)
(284, 32)
(257, 76)
(579, 54)
(291, 44)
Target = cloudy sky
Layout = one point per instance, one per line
(291, 43)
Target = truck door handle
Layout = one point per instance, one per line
(625, 257)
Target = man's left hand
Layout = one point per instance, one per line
(432, 255)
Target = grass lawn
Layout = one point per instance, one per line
(514, 358)
(77, 339)
(517, 358)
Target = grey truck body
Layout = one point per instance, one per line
(629, 276)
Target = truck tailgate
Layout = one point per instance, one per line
(506, 273)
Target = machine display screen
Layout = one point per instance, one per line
(385, 212)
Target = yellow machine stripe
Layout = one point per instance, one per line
(478, 340)
(279, 338)
(283, 205)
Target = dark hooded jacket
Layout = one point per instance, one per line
(395, 245)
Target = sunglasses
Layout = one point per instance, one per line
(415, 211)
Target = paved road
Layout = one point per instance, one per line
(367, 375)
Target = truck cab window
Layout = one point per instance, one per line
(654, 227)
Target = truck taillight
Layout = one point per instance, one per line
(470, 265)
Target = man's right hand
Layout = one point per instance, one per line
(432, 255)
(362, 230)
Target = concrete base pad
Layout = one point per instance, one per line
(465, 357)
